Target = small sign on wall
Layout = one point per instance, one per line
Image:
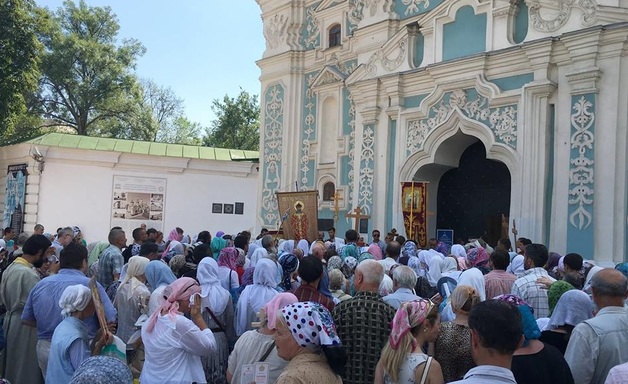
(228, 209)
(239, 208)
(216, 208)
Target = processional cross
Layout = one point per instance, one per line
(357, 215)
(337, 198)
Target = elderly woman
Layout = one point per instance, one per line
(102, 370)
(289, 265)
(403, 359)
(536, 362)
(573, 307)
(132, 297)
(158, 276)
(174, 344)
(70, 342)
(258, 345)
(337, 285)
(256, 295)
(227, 271)
(306, 337)
(218, 313)
(453, 346)
(478, 257)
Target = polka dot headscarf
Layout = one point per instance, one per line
(311, 325)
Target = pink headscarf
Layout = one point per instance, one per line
(276, 303)
(477, 257)
(410, 315)
(175, 235)
(376, 251)
(228, 258)
(180, 289)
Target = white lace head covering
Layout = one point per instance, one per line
(74, 298)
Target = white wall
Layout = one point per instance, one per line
(75, 193)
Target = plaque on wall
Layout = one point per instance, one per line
(239, 208)
(216, 208)
(228, 209)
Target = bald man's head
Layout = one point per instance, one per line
(318, 250)
(609, 282)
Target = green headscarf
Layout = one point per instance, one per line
(217, 245)
(556, 291)
(95, 253)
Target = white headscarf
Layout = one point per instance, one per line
(458, 251)
(258, 294)
(258, 254)
(587, 283)
(415, 264)
(449, 268)
(213, 295)
(433, 272)
(74, 298)
(286, 247)
(304, 246)
(134, 268)
(474, 278)
(573, 308)
(516, 266)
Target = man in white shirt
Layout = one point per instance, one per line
(338, 242)
(404, 280)
(496, 333)
(598, 344)
(393, 250)
(527, 288)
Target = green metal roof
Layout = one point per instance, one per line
(64, 140)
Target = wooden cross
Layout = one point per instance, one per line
(337, 198)
(357, 215)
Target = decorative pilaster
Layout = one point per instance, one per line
(271, 164)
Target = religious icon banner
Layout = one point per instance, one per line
(299, 215)
(14, 197)
(414, 208)
(136, 201)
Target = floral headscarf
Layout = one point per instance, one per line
(311, 325)
(476, 257)
(289, 263)
(409, 248)
(102, 369)
(365, 256)
(334, 262)
(531, 330)
(348, 268)
(229, 258)
(410, 315)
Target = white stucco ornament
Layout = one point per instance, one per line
(581, 170)
(564, 7)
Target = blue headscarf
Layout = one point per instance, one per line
(217, 244)
(623, 268)
(531, 330)
(158, 273)
(289, 263)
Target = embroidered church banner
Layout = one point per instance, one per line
(14, 197)
(414, 208)
(299, 215)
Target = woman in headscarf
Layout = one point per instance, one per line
(555, 292)
(434, 271)
(132, 297)
(334, 262)
(158, 276)
(474, 278)
(453, 346)
(449, 268)
(227, 271)
(425, 278)
(403, 360)
(289, 264)
(376, 251)
(573, 308)
(173, 343)
(304, 246)
(552, 265)
(478, 257)
(70, 342)
(409, 249)
(96, 251)
(286, 247)
(587, 282)
(217, 244)
(218, 314)
(535, 362)
(306, 337)
(255, 296)
(258, 346)
(516, 266)
(173, 249)
(175, 235)
(102, 370)
(264, 250)
(461, 255)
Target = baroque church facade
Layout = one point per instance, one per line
(359, 96)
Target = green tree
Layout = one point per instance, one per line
(19, 65)
(180, 131)
(86, 73)
(237, 123)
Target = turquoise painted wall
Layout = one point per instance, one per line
(413, 101)
(406, 9)
(464, 36)
(520, 30)
(513, 82)
(310, 34)
(308, 132)
(390, 175)
(580, 227)
(419, 50)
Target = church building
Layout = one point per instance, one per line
(508, 110)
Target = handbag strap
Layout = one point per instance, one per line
(222, 329)
(426, 370)
(268, 351)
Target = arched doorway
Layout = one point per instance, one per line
(472, 198)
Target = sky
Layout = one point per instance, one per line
(202, 49)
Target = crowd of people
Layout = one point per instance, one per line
(231, 309)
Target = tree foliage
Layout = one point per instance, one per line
(19, 64)
(237, 123)
(86, 74)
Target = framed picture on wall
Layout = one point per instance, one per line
(239, 208)
(216, 208)
(228, 209)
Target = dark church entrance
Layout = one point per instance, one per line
(473, 197)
